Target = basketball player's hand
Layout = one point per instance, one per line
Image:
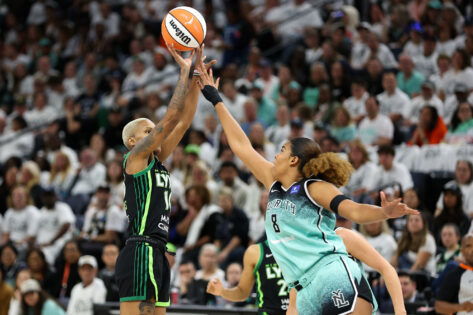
(200, 60)
(184, 63)
(395, 208)
(215, 287)
(207, 78)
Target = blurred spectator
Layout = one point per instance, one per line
(452, 211)
(198, 224)
(20, 222)
(342, 127)
(413, 46)
(232, 230)
(339, 82)
(10, 175)
(16, 142)
(450, 246)
(408, 79)
(208, 264)
(431, 128)
(6, 293)
(256, 219)
(61, 175)
(89, 291)
(228, 175)
(318, 75)
(359, 182)
(462, 70)
(426, 61)
(38, 266)
(373, 79)
(30, 175)
(379, 236)
(355, 104)
(232, 276)
(15, 303)
(461, 127)
(393, 102)
(279, 132)
(107, 274)
(186, 272)
(409, 289)
(427, 97)
(66, 274)
(104, 222)
(237, 36)
(258, 139)
(36, 301)
(266, 107)
(455, 292)
(460, 95)
(464, 179)
(379, 51)
(10, 263)
(233, 100)
(375, 128)
(416, 247)
(55, 225)
(442, 79)
(390, 172)
(42, 112)
(115, 181)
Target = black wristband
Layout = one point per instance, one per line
(211, 94)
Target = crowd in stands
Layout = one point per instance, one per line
(387, 84)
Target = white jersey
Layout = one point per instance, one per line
(83, 298)
(21, 223)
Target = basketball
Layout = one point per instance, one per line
(184, 27)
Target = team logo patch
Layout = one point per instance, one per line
(339, 299)
(295, 189)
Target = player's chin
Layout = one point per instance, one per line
(157, 151)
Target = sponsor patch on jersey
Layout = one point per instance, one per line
(295, 189)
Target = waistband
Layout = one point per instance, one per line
(146, 239)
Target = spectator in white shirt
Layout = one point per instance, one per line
(91, 290)
(55, 225)
(42, 113)
(104, 221)
(209, 265)
(375, 128)
(426, 62)
(413, 47)
(462, 70)
(279, 132)
(91, 173)
(228, 175)
(360, 47)
(443, 77)
(390, 172)
(20, 222)
(355, 104)
(380, 237)
(137, 78)
(427, 97)
(234, 100)
(267, 78)
(380, 51)
(392, 101)
(359, 182)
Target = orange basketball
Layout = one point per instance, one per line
(184, 27)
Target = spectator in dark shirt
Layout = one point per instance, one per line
(10, 263)
(67, 271)
(232, 230)
(456, 294)
(107, 274)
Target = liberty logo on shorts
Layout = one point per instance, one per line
(295, 189)
(339, 299)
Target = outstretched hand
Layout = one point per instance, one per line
(184, 63)
(395, 208)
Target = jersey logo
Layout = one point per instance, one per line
(274, 190)
(339, 299)
(295, 189)
(269, 255)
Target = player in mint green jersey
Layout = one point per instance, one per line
(300, 218)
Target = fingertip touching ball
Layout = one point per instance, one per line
(184, 27)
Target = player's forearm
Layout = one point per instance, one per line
(446, 307)
(237, 138)
(190, 103)
(363, 213)
(176, 104)
(236, 294)
(394, 288)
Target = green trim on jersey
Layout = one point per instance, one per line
(125, 158)
(151, 271)
(133, 298)
(148, 199)
(163, 304)
(150, 165)
(259, 300)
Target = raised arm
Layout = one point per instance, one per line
(237, 139)
(243, 290)
(324, 193)
(139, 155)
(187, 115)
(360, 248)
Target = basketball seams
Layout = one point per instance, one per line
(190, 33)
(198, 16)
(170, 36)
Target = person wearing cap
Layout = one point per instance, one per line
(427, 97)
(55, 225)
(452, 211)
(460, 95)
(36, 301)
(426, 61)
(413, 47)
(467, 31)
(91, 290)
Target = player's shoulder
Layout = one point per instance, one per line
(252, 254)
